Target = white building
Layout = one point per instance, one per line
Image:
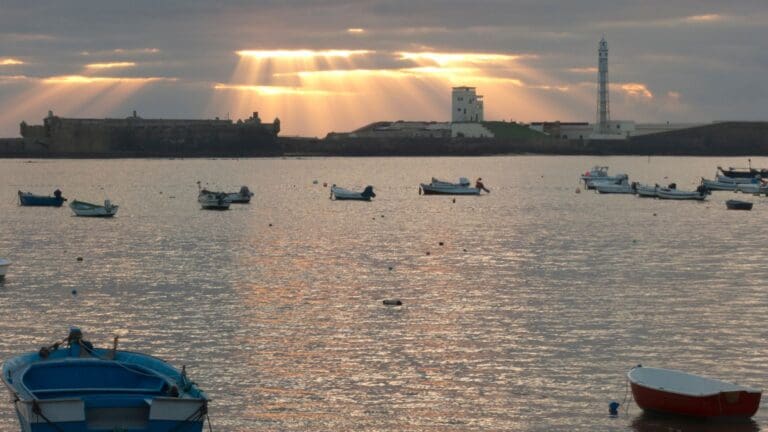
(466, 106)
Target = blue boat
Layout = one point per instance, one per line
(30, 199)
(71, 386)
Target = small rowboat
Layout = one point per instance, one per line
(93, 210)
(738, 205)
(213, 200)
(623, 187)
(718, 185)
(439, 187)
(241, 197)
(338, 193)
(73, 386)
(4, 263)
(673, 194)
(646, 191)
(30, 199)
(675, 392)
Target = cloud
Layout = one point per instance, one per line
(637, 90)
(10, 62)
(112, 65)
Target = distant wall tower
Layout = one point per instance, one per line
(466, 105)
(603, 108)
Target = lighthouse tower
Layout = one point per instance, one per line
(603, 110)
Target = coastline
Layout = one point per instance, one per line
(716, 139)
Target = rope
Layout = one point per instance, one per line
(39, 412)
(624, 401)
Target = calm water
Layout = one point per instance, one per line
(527, 318)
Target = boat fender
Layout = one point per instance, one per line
(393, 302)
(613, 408)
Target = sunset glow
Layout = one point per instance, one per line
(110, 65)
(10, 62)
(300, 54)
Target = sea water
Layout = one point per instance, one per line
(526, 318)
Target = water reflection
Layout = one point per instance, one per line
(658, 422)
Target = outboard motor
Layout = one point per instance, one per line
(672, 186)
(702, 190)
(368, 192)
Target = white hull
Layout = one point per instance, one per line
(674, 194)
(92, 210)
(717, 185)
(213, 201)
(753, 188)
(622, 188)
(345, 194)
(438, 187)
(647, 191)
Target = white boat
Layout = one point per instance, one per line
(213, 200)
(617, 179)
(599, 174)
(82, 208)
(646, 191)
(338, 193)
(241, 197)
(718, 185)
(673, 194)
(752, 188)
(737, 180)
(4, 263)
(438, 187)
(623, 187)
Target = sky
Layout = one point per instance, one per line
(337, 65)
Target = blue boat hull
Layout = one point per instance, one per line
(79, 388)
(40, 201)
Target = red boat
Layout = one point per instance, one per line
(675, 392)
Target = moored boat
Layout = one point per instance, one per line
(646, 191)
(738, 205)
(675, 392)
(4, 263)
(213, 200)
(82, 208)
(716, 185)
(600, 174)
(30, 199)
(623, 187)
(748, 172)
(671, 193)
(73, 386)
(241, 197)
(438, 187)
(338, 193)
(752, 188)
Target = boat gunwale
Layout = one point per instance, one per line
(740, 388)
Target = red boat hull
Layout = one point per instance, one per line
(724, 404)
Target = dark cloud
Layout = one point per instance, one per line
(711, 53)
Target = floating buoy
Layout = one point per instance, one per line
(79, 258)
(613, 408)
(654, 214)
(393, 302)
(74, 292)
(441, 243)
(314, 181)
(464, 250)
(382, 216)
(270, 224)
(578, 190)
(427, 252)
(390, 268)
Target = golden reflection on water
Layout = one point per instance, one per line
(526, 318)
